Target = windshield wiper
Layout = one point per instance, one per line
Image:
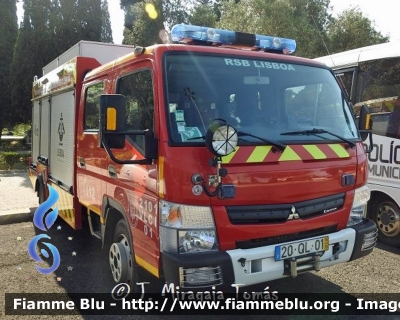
(278, 145)
(316, 131)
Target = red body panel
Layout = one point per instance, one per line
(137, 187)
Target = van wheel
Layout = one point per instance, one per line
(121, 256)
(386, 215)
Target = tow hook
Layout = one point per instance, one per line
(336, 250)
(242, 262)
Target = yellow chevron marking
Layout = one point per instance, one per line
(389, 105)
(228, 158)
(289, 155)
(147, 266)
(339, 150)
(315, 151)
(259, 154)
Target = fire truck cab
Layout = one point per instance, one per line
(216, 159)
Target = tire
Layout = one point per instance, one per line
(121, 257)
(41, 192)
(386, 214)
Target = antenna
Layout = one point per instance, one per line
(330, 56)
(190, 94)
(322, 38)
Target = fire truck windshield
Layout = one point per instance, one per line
(264, 98)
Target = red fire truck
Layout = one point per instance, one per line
(215, 159)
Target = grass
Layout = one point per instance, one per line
(19, 163)
(14, 154)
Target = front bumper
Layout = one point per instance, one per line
(258, 265)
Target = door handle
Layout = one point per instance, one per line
(82, 162)
(112, 172)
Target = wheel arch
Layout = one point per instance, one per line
(388, 224)
(375, 195)
(112, 212)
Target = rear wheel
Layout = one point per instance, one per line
(41, 192)
(386, 214)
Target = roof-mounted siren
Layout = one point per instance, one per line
(183, 33)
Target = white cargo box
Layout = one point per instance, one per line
(102, 52)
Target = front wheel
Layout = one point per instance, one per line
(121, 256)
(386, 214)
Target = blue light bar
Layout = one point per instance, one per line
(184, 33)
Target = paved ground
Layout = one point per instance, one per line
(18, 200)
(376, 273)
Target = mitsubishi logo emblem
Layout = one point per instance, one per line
(294, 214)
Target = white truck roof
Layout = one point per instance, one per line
(102, 52)
(353, 57)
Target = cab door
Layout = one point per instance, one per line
(134, 185)
(91, 159)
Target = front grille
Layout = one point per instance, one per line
(255, 243)
(281, 212)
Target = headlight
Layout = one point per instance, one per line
(182, 216)
(197, 241)
(186, 228)
(358, 210)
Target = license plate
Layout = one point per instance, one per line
(301, 248)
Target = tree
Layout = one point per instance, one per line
(311, 18)
(174, 13)
(106, 31)
(352, 30)
(73, 21)
(64, 24)
(148, 24)
(88, 24)
(8, 36)
(127, 6)
(204, 15)
(302, 20)
(33, 50)
(196, 12)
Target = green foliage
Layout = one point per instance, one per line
(21, 129)
(174, 13)
(300, 20)
(106, 32)
(11, 158)
(34, 41)
(352, 30)
(8, 36)
(203, 15)
(147, 28)
(49, 28)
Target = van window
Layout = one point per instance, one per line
(92, 106)
(138, 90)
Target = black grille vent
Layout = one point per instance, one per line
(255, 243)
(280, 213)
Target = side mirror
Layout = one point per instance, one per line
(364, 122)
(365, 126)
(112, 121)
(113, 132)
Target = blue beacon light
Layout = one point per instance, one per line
(184, 33)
